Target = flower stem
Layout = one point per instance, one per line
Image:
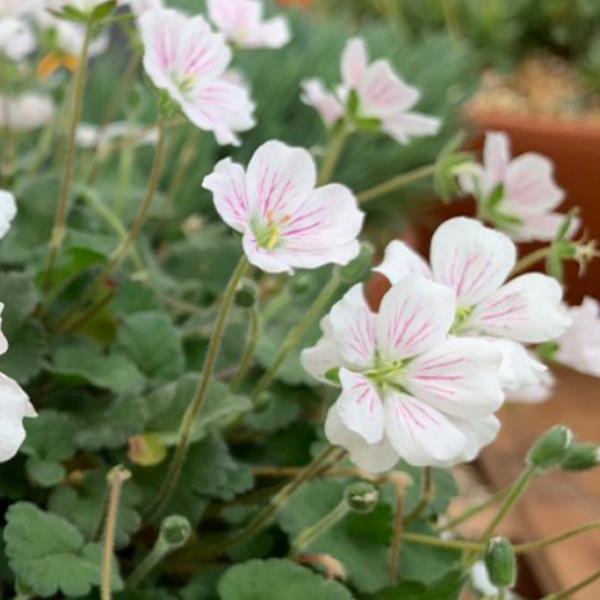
(568, 593)
(295, 335)
(561, 537)
(191, 414)
(396, 183)
(426, 497)
(58, 231)
(116, 478)
(428, 540)
(249, 350)
(309, 534)
(186, 156)
(531, 259)
(396, 543)
(153, 558)
(332, 155)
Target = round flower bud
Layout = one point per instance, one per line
(359, 268)
(175, 531)
(501, 563)
(551, 448)
(581, 457)
(361, 497)
(246, 294)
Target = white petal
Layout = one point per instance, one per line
(375, 458)
(14, 406)
(459, 377)
(321, 358)
(261, 257)
(325, 103)
(542, 227)
(8, 211)
(400, 260)
(280, 178)
(479, 433)
(419, 433)
(536, 393)
(228, 184)
(519, 368)
(354, 62)
(353, 327)
(415, 316)
(359, 406)
(408, 125)
(471, 259)
(496, 156)
(273, 33)
(3, 340)
(528, 309)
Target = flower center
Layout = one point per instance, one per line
(268, 233)
(463, 314)
(185, 83)
(388, 373)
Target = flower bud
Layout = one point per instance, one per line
(581, 457)
(551, 448)
(361, 497)
(357, 269)
(246, 294)
(299, 284)
(501, 563)
(175, 531)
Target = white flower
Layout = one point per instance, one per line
(534, 393)
(90, 135)
(286, 222)
(8, 211)
(184, 57)
(16, 8)
(475, 262)
(14, 406)
(241, 22)
(16, 38)
(378, 92)
(480, 580)
(25, 112)
(518, 195)
(409, 390)
(579, 347)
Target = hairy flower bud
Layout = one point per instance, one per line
(581, 457)
(551, 448)
(361, 497)
(501, 563)
(175, 531)
(246, 294)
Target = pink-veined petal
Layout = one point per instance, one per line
(354, 62)
(542, 227)
(479, 433)
(14, 406)
(400, 260)
(359, 406)
(496, 156)
(459, 377)
(530, 186)
(327, 104)
(375, 458)
(262, 258)
(419, 433)
(228, 184)
(471, 259)
(353, 326)
(528, 309)
(279, 179)
(415, 316)
(408, 125)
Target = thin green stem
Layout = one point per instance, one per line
(531, 259)
(568, 593)
(428, 540)
(426, 497)
(452, 20)
(58, 231)
(149, 562)
(556, 539)
(184, 160)
(395, 183)
(333, 153)
(308, 535)
(396, 543)
(249, 351)
(189, 419)
(295, 335)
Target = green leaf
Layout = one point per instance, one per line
(151, 341)
(85, 363)
(20, 297)
(279, 413)
(84, 506)
(49, 554)
(103, 10)
(359, 542)
(27, 346)
(276, 579)
(46, 473)
(447, 587)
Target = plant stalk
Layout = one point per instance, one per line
(395, 183)
(332, 155)
(249, 350)
(531, 259)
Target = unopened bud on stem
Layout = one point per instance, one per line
(551, 448)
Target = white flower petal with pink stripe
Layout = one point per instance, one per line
(286, 222)
(528, 191)
(409, 390)
(184, 57)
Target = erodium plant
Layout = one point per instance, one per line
(198, 398)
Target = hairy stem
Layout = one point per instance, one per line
(426, 497)
(556, 539)
(396, 543)
(332, 155)
(249, 350)
(531, 259)
(395, 183)
(189, 419)
(568, 593)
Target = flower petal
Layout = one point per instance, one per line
(3, 340)
(400, 260)
(321, 358)
(8, 211)
(14, 406)
(479, 433)
(519, 368)
(359, 406)
(408, 125)
(459, 377)
(353, 327)
(228, 184)
(528, 309)
(415, 316)
(328, 106)
(535, 393)
(419, 433)
(261, 257)
(354, 62)
(280, 178)
(375, 458)
(542, 227)
(471, 259)
(496, 156)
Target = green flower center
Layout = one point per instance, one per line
(268, 233)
